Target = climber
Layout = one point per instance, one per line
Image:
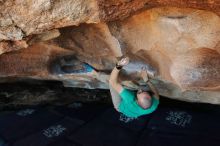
(130, 103)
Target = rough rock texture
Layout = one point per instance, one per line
(12, 46)
(181, 44)
(180, 47)
(20, 18)
(38, 61)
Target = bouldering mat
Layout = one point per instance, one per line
(113, 117)
(99, 133)
(179, 120)
(51, 133)
(18, 124)
(154, 138)
(82, 111)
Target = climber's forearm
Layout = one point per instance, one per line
(154, 90)
(113, 81)
(114, 76)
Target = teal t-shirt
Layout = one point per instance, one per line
(129, 106)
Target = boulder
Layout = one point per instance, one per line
(79, 42)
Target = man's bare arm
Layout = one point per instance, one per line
(154, 90)
(146, 79)
(113, 81)
(115, 87)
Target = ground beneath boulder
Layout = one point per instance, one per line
(34, 92)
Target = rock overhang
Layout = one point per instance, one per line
(178, 46)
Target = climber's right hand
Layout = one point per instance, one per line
(124, 61)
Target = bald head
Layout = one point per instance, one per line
(144, 100)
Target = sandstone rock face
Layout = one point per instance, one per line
(182, 44)
(21, 18)
(180, 47)
(42, 61)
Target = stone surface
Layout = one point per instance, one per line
(37, 61)
(180, 47)
(181, 43)
(12, 46)
(29, 92)
(21, 18)
(177, 45)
